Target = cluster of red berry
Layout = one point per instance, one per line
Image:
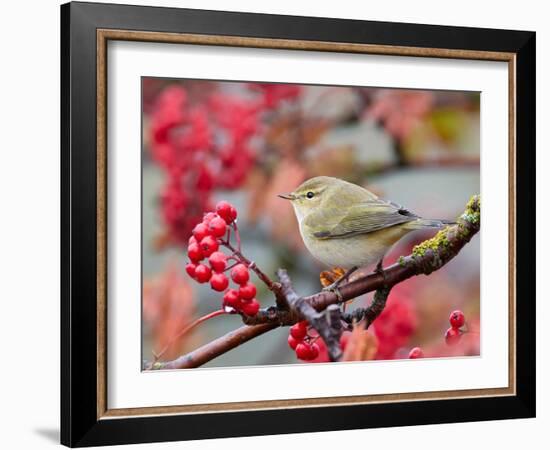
(457, 320)
(206, 145)
(195, 144)
(242, 299)
(204, 244)
(302, 343)
(239, 119)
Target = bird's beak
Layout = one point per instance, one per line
(290, 196)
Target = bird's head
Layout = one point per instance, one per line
(314, 193)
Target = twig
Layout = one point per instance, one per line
(271, 285)
(326, 323)
(261, 275)
(371, 313)
(186, 330)
(215, 348)
(237, 236)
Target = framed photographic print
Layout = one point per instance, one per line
(277, 224)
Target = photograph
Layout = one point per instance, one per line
(362, 201)
(272, 224)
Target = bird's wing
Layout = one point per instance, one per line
(361, 218)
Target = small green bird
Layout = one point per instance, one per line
(345, 225)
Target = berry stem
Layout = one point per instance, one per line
(237, 236)
(228, 238)
(186, 329)
(237, 262)
(272, 286)
(313, 339)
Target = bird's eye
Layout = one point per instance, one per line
(310, 194)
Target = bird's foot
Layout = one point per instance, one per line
(339, 281)
(335, 290)
(331, 287)
(380, 271)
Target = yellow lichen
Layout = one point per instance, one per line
(441, 240)
(473, 207)
(438, 242)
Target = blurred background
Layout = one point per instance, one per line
(204, 141)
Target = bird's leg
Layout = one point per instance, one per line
(380, 269)
(334, 286)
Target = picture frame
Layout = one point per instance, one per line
(86, 29)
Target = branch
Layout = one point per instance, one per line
(326, 323)
(215, 348)
(371, 313)
(426, 258)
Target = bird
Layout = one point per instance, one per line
(345, 225)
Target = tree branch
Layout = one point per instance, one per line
(426, 258)
(327, 323)
(215, 348)
(370, 313)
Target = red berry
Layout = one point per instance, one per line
(194, 252)
(202, 273)
(250, 308)
(416, 353)
(190, 269)
(226, 211)
(217, 226)
(219, 282)
(218, 261)
(314, 351)
(292, 342)
(305, 351)
(247, 291)
(192, 240)
(452, 336)
(302, 351)
(299, 330)
(208, 217)
(209, 245)
(200, 231)
(231, 298)
(239, 274)
(456, 319)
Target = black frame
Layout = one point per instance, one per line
(79, 423)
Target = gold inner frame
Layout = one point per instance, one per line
(103, 36)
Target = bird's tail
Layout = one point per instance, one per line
(431, 223)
